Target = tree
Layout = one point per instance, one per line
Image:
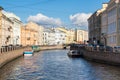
(1, 8)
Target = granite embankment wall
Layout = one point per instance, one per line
(9, 55)
(98, 55)
(103, 57)
(51, 47)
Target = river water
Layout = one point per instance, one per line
(56, 65)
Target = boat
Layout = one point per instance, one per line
(64, 47)
(28, 53)
(35, 48)
(74, 53)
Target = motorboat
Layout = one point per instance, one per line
(75, 53)
(36, 48)
(28, 53)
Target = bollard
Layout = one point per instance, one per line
(13, 47)
(6, 48)
(1, 50)
(105, 50)
(97, 48)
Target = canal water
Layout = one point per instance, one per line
(56, 65)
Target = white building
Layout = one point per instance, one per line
(60, 37)
(48, 37)
(53, 37)
(16, 31)
(6, 31)
(16, 27)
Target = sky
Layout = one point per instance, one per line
(52, 13)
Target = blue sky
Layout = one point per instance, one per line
(53, 11)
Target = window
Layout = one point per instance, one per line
(112, 40)
(119, 24)
(112, 28)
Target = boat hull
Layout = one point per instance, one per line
(28, 53)
(74, 54)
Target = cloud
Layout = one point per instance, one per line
(45, 20)
(80, 19)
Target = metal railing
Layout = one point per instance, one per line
(10, 48)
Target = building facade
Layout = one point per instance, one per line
(48, 36)
(29, 34)
(71, 36)
(60, 37)
(104, 25)
(81, 36)
(40, 35)
(6, 31)
(113, 33)
(16, 27)
(109, 25)
(16, 31)
(94, 26)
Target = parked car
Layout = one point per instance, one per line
(117, 49)
(107, 48)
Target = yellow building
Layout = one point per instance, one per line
(71, 36)
(29, 34)
(81, 36)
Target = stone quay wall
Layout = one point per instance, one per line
(51, 47)
(9, 54)
(103, 57)
(98, 55)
